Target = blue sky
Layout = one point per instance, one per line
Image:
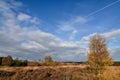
(55, 12)
(32, 29)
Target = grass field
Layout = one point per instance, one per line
(67, 72)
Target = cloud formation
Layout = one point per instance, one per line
(24, 17)
(25, 41)
(27, 18)
(115, 53)
(113, 35)
(73, 34)
(71, 24)
(21, 37)
(110, 36)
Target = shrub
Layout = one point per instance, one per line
(20, 63)
(48, 59)
(7, 61)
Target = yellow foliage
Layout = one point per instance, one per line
(98, 56)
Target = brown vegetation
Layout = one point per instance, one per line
(8, 61)
(56, 73)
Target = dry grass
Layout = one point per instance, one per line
(112, 73)
(68, 72)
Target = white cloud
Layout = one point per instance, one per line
(113, 35)
(71, 26)
(72, 23)
(73, 34)
(27, 18)
(23, 17)
(110, 36)
(87, 38)
(115, 53)
(31, 43)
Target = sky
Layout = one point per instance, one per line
(33, 29)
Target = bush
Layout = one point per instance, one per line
(48, 59)
(33, 64)
(20, 63)
(7, 61)
(1, 60)
(51, 64)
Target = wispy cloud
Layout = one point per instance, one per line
(115, 53)
(113, 35)
(71, 24)
(27, 18)
(29, 42)
(110, 36)
(73, 34)
(24, 17)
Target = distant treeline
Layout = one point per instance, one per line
(116, 63)
(9, 61)
(77, 62)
